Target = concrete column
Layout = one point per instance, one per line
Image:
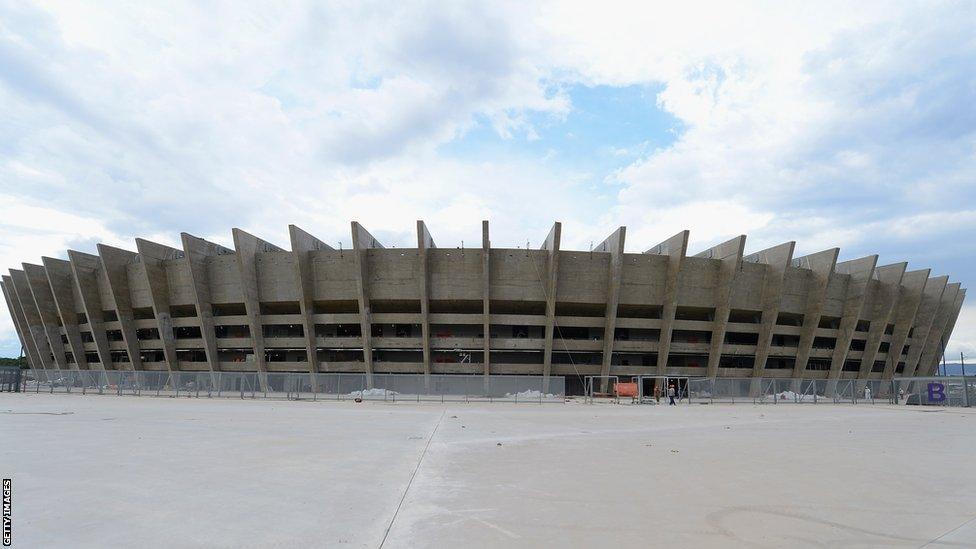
(889, 282)
(424, 243)
(614, 245)
(551, 245)
(362, 242)
(247, 247)
(61, 282)
(909, 297)
(20, 323)
(35, 328)
(44, 303)
(676, 248)
(152, 256)
(730, 254)
(821, 265)
(486, 294)
(302, 246)
(933, 364)
(861, 272)
(776, 259)
(196, 252)
(85, 271)
(934, 289)
(115, 262)
(932, 350)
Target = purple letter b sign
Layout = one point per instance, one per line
(936, 392)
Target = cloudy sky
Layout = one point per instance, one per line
(828, 124)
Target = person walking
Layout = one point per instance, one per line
(657, 393)
(671, 393)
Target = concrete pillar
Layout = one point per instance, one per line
(933, 364)
(40, 291)
(35, 328)
(934, 289)
(302, 246)
(821, 266)
(861, 273)
(903, 317)
(115, 262)
(614, 245)
(20, 323)
(424, 243)
(730, 254)
(85, 272)
(675, 248)
(776, 259)
(551, 245)
(61, 282)
(196, 252)
(247, 246)
(486, 294)
(883, 311)
(152, 256)
(362, 242)
(932, 350)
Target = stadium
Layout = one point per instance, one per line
(548, 313)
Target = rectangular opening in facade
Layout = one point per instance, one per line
(338, 330)
(191, 355)
(459, 356)
(824, 342)
(852, 366)
(229, 309)
(518, 331)
(745, 317)
(581, 309)
(283, 330)
(339, 355)
(862, 326)
(395, 305)
(152, 355)
(580, 358)
(397, 355)
(280, 308)
(285, 355)
(736, 361)
(500, 307)
(86, 337)
(741, 338)
(82, 318)
(704, 314)
(517, 357)
(634, 359)
(232, 330)
(780, 363)
(109, 316)
(578, 333)
(883, 348)
(142, 313)
(635, 334)
(687, 361)
(338, 306)
(889, 329)
(459, 306)
(878, 367)
(396, 330)
(785, 340)
(857, 344)
(119, 356)
(235, 355)
(91, 357)
(638, 311)
(691, 336)
(829, 322)
(182, 311)
(147, 334)
(113, 335)
(456, 330)
(186, 332)
(818, 364)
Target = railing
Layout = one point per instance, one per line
(386, 387)
(925, 391)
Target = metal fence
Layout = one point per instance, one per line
(385, 387)
(926, 391)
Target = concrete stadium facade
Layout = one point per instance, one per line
(428, 310)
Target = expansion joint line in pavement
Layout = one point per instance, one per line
(410, 483)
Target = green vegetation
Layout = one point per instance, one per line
(21, 361)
